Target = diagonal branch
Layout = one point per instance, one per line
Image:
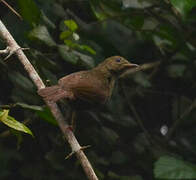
(12, 9)
(67, 132)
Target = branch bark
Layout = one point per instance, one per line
(67, 132)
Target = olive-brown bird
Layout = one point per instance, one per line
(93, 86)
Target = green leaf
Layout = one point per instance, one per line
(31, 107)
(172, 168)
(136, 22)
(67, 55)
(71, 25)
(176, 70)
(99, 13)
(136, 4)
(70, 43)
(41, 34)
(47, 116)
(87, 48)
(29, 11)
(75, 57)
(183, 6)
(167, 38)
(65, 35)
(12, 123)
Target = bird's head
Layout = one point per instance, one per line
(117, 65)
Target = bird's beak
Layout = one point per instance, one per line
(134, 65)
(130, 65)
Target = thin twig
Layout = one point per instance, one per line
(75, 146)
(12, 9)
(135, 113)
(177, 122)
(142, 67)
(10, 52)
(7, 106)
(5, 51)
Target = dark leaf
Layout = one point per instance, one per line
(171, 168)
(29, 11)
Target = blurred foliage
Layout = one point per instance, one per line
(172, 168)
(126, 135)
(69, 36)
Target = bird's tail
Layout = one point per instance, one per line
(53, 93)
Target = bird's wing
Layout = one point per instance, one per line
(89, 94)
(85, 86)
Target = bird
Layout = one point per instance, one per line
(92, 87)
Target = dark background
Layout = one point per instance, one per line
(125, 136)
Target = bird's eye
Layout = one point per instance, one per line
(118, 59)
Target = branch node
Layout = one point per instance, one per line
(10, 51)
(5, 51)
(73, 152)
